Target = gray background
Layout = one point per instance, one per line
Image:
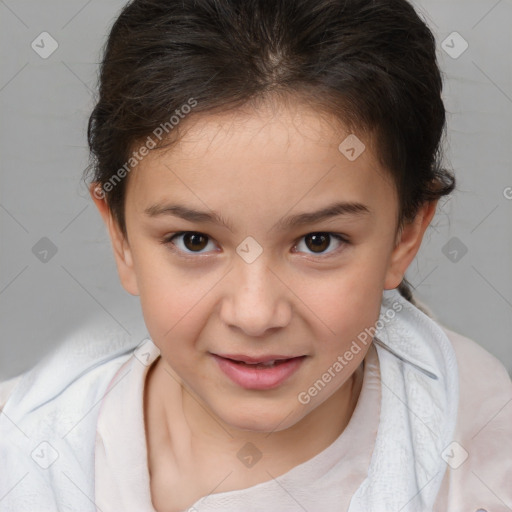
(45, 104)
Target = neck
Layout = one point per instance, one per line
(200, 433)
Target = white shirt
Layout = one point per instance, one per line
(482, 482)
(122, 479)
(72, 432)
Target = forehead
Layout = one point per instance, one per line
(271, 156)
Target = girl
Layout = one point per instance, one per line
(266, 172)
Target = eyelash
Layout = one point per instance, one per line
(168, 241)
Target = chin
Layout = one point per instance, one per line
(255, 425)
(256, 420)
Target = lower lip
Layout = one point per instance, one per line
(258, 378)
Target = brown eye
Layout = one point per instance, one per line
(317, 242)
(195, 241)
(188, 242)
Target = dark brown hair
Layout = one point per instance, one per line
(370, 63)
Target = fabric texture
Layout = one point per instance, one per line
(62, 414)
(335, 473)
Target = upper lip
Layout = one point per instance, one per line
(257, 359)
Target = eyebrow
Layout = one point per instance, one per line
(346, 209)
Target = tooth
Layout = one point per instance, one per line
(268, 363)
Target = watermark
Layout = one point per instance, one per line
(454, 45)
(249, 455)
(342, 361)
(507, 192)
(44, 45)
(159, 132)
(352, 147)
(454, 249)
(44, 454)
(454, 455)
(144, 350)
(44, 250)
(249, 249)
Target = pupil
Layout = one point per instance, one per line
(192, 241)
(319, 240)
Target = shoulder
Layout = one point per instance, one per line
(50, 412)
(485, 387)
(473, 354)
(76, 370)
(484, 382)
(479, 465)
(6, 388)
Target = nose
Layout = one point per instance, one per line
(256, 301)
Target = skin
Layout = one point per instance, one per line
(254, 168)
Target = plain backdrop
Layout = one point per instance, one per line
(57, 272)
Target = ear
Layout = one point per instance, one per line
(408, 244)
(122, 251)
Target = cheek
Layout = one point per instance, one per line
(177, 302)
(172, 300)
(347, 303)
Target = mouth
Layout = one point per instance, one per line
(266, 372)
(268, 360)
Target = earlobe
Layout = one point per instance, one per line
(408, 245)
(122, 251)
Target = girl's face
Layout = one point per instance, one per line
(240, 243)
